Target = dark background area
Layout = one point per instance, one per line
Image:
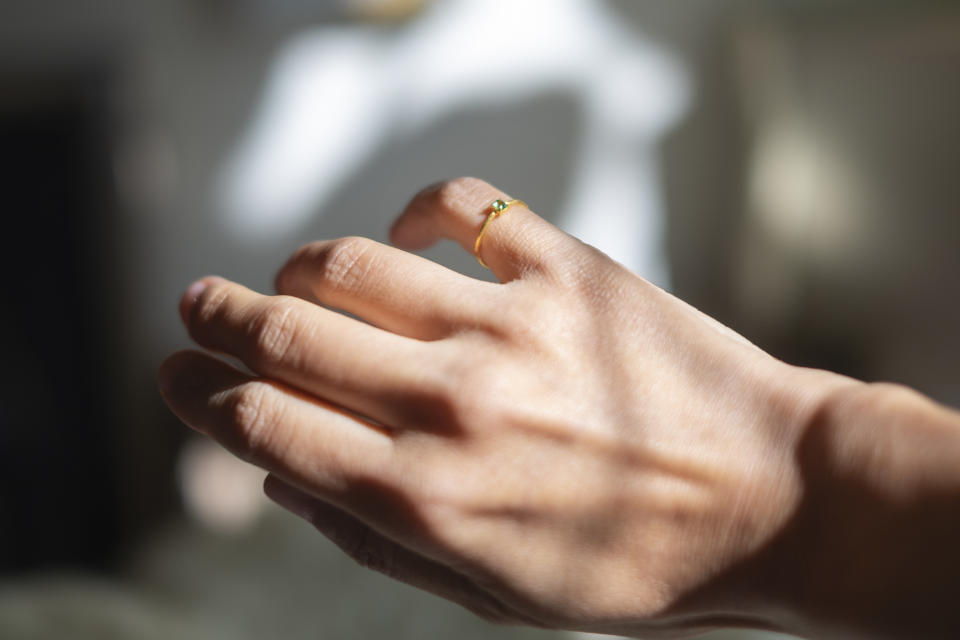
(854, 269)
(58, 472)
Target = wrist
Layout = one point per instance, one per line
(773, 582)
(870, 549)
(761, 588)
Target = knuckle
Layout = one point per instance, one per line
(254, 414)
(274, 332)
(343, 264)
(488, 381)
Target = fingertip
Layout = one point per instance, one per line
(186, 379)
(273, 487)
(176, 376)
(165, 378)
(189, 298)
(180, 371)
(167, 372)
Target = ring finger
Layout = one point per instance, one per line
(516, 244)
(305, 441)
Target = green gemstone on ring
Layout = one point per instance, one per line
(498, 206)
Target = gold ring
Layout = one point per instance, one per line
(497, 208)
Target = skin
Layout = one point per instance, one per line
(572, 447)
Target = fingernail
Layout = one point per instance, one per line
(190, 298)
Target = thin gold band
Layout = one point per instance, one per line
(497, 208)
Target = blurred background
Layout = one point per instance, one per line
(791, 168)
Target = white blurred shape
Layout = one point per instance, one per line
(616, 206)
(492, 53)
(219, 491)
(339, 91)
(322, 117)
(616, 202)
(805, 195)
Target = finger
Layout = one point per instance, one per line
(392, 289)
(515, 244)
(373, 372)
(378, 552)
(300, 438)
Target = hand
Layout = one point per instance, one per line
(570, 448)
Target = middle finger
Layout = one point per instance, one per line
(393, 289)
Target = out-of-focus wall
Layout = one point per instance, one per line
(818, 174)
(787, 167)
